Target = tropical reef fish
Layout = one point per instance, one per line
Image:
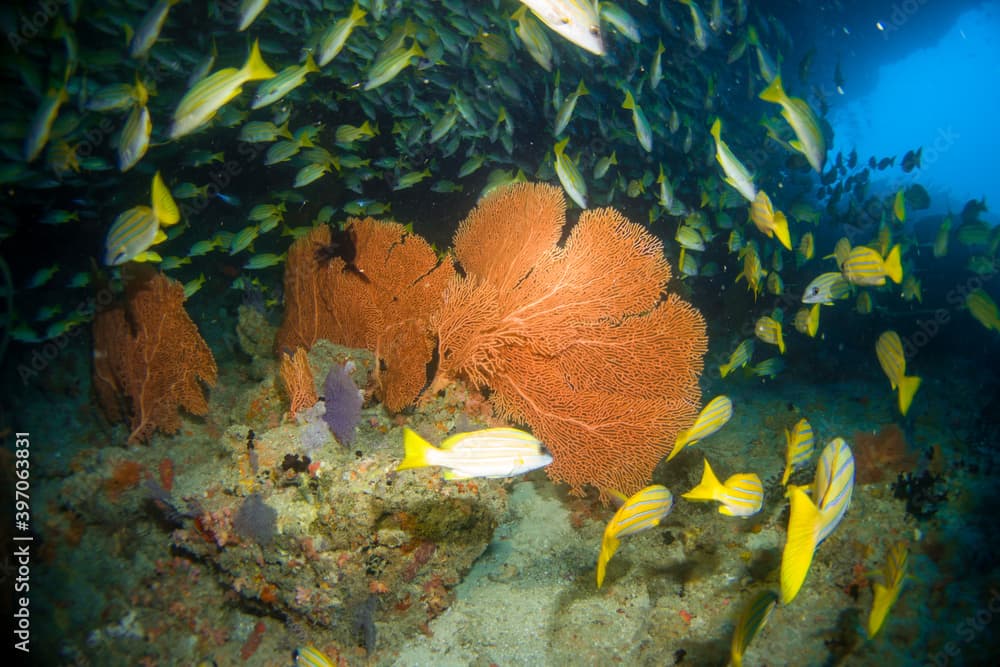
(491, 452)
(578, 21)
(641, 511)
(826, 287)
(799, 445)
(768, 330)
(889, 350)
(771, 223)
(811, 520)
(865, 266)
(210, 94)
(739, 358)
(983, 308)
(135, 230)
(712, 417)
(809, 136)
(310, 656)
(807, 320)
(737, 175)
(742, 494)
(751, 621)
(886, 592)
(570, 177)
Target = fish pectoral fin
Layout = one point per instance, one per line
(450, 474)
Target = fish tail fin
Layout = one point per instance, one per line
(358, 15)
(608, 547)
(907, 388)
(416, 451)
(708, 488)
(255, 67)
(774, 92)
(812, 325)
(725, 369)
(717, 130)
(880, 609)
(787, 473)
(893, 266)
(781, 229)
(629, 102)
(682, 440)
(781, 342)
(164, 207)
(310, 64)
(803, 529)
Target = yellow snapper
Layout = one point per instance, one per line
(135, 230)
(283, 83)
(249, 10)
(770, 222)
(752, 619)
(209, 95)
(640, 511)
(769, 368)
(739, 358)
(712, 417)
(799, 445)
(983, 308)
(134, 140)
(698, 24)
(941, 240)
(865, 266)
(491, 452)
(899, 206)
(569, 175)
(809, 136)
(863, 305)
(841, 251)
(886, 592)
(533, 37)
(149, 28)
(811, 520)
(807, 320)
(575, 20)
(642, 130)
(310, 656)
(806, 249)
(752, 272)
(826, 287)
(889, 350)
(742, 495)
(565, 112)
(334, 39)
(386, 68)
(41, 123)
(737, 175)
(912, 289)
(768, 330)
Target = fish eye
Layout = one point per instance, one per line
(565, 20)
(815, 291)
(595, 30)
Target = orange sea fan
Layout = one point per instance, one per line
(576, 341)
(298, 380)
(881, 455)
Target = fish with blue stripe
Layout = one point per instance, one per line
(490, 452)
(752, 620)
(887, 591)
(742, 494)
(640, 511)
(889, 350)
(310, 656)
(811, 520)
(712, 417)
(135, 230)
(866, 267)
(800, 443)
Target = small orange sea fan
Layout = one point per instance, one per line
(882, 455)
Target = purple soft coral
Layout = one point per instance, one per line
(343, 404)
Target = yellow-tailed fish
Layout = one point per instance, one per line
(865, 266)
(386, 68)
(283, 83)
(768, 221)
(576, 20)
(886, 592)
(737, 175)
(605, 163)
(209, 95)
(134, 140)
(149, 28)
(698, 21)
(243, 239)
(569, 175)
(983, 308)
(752, 272)
(863, 304)
(565, 112)
(642, 130)
(739, 358)
(912, 289)
(807, 320)
(333, 40)
(621, 20)
(799, 445)
(768, 330)
(825, 288)
(688, 237)
(889, 350)
(491, 452)
(641, 511)
(811, 520)
(884, 238)
(899, 206)
(712, 417)
(941, 240)
(742, 495)
(656, 67)
(533, 37)
(806, 249)
(841, 251)
(809, 136)
(752, 620)
(769, 368)
(775, 285)
(135, 230)
(41, 123)
(265, 260)
(310, 656)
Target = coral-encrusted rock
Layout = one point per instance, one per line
(351, 529)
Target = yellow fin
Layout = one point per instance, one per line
(164, 207)
(781, 230)
(774, 92)
(415, 450)
(609, 545)
(893, 267)
(255, 67)
(709, 487)
(907, 388)
(800, 544)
